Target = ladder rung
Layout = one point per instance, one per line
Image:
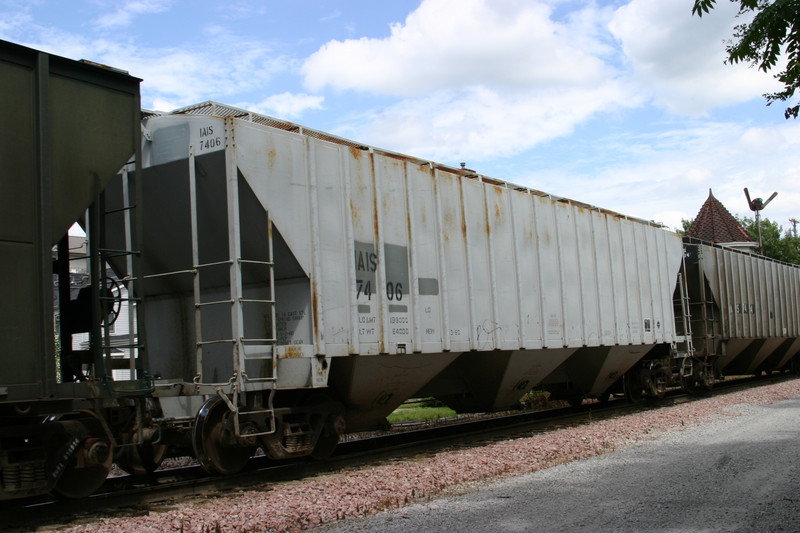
(173, 273)
(218, 302)
(107, 346)
(226, 262)
(220, 341)
(247, 300)
(117, 251)
(253, 262)
(112, 299)
(258, 412)
(128, 208)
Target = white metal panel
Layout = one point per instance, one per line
(590, 292)
(455, 261)
(505, 267)
(570, 275)
(643, 250)
(791, 275)
(633, 271)
(365, 254)
(784, 307)
(274, 164)
(529, 299)
(772, 298)
(335, 261)
(619, 278)
(426, 284)
(395, 290)
(758, 298)
(550, 273)
(483, 324)
(604, 275)
(792, 297)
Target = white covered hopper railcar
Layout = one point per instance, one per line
(279, 262)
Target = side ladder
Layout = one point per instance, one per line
(682, 306)
(117, 296)
(254, 359)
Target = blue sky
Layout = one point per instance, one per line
(627, 105)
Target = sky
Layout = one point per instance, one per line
(626, 105)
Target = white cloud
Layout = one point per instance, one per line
(481, 123)
(180, 74)
(333, 15)
(479, 79)
(666, 176)
(446, 44)
(287, 105)
(680, 58)
(125, 13)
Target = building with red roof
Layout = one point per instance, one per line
(714, 223)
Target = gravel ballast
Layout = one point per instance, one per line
(358, 492)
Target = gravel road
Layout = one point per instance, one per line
(737, 474)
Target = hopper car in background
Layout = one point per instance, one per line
(255, 284)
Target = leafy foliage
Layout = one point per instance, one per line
(686, 223)
(774, 30)
(778, 244)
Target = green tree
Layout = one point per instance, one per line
(778, 244)
(686, 223)
(773, 31)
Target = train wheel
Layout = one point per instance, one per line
(657, 383)
(632, 385)
(215, 442)
(141, 459)
(689, 384)
(89, 465)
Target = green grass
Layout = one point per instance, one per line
(427, 409)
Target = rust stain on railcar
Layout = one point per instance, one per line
(358, 187)
(293, 351)
(356, 152)
(462, 201)
(271, 158)
(314, 308)
(447, 221)
(500, 192)
(355, 213)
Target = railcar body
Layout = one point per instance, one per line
(68, 128)
(379, 276)
(283, 285)
(744, 309)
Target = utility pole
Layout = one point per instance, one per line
(757, 205)
(794, 222)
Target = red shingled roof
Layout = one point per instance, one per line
(715, 223)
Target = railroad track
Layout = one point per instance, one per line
(131, 494)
